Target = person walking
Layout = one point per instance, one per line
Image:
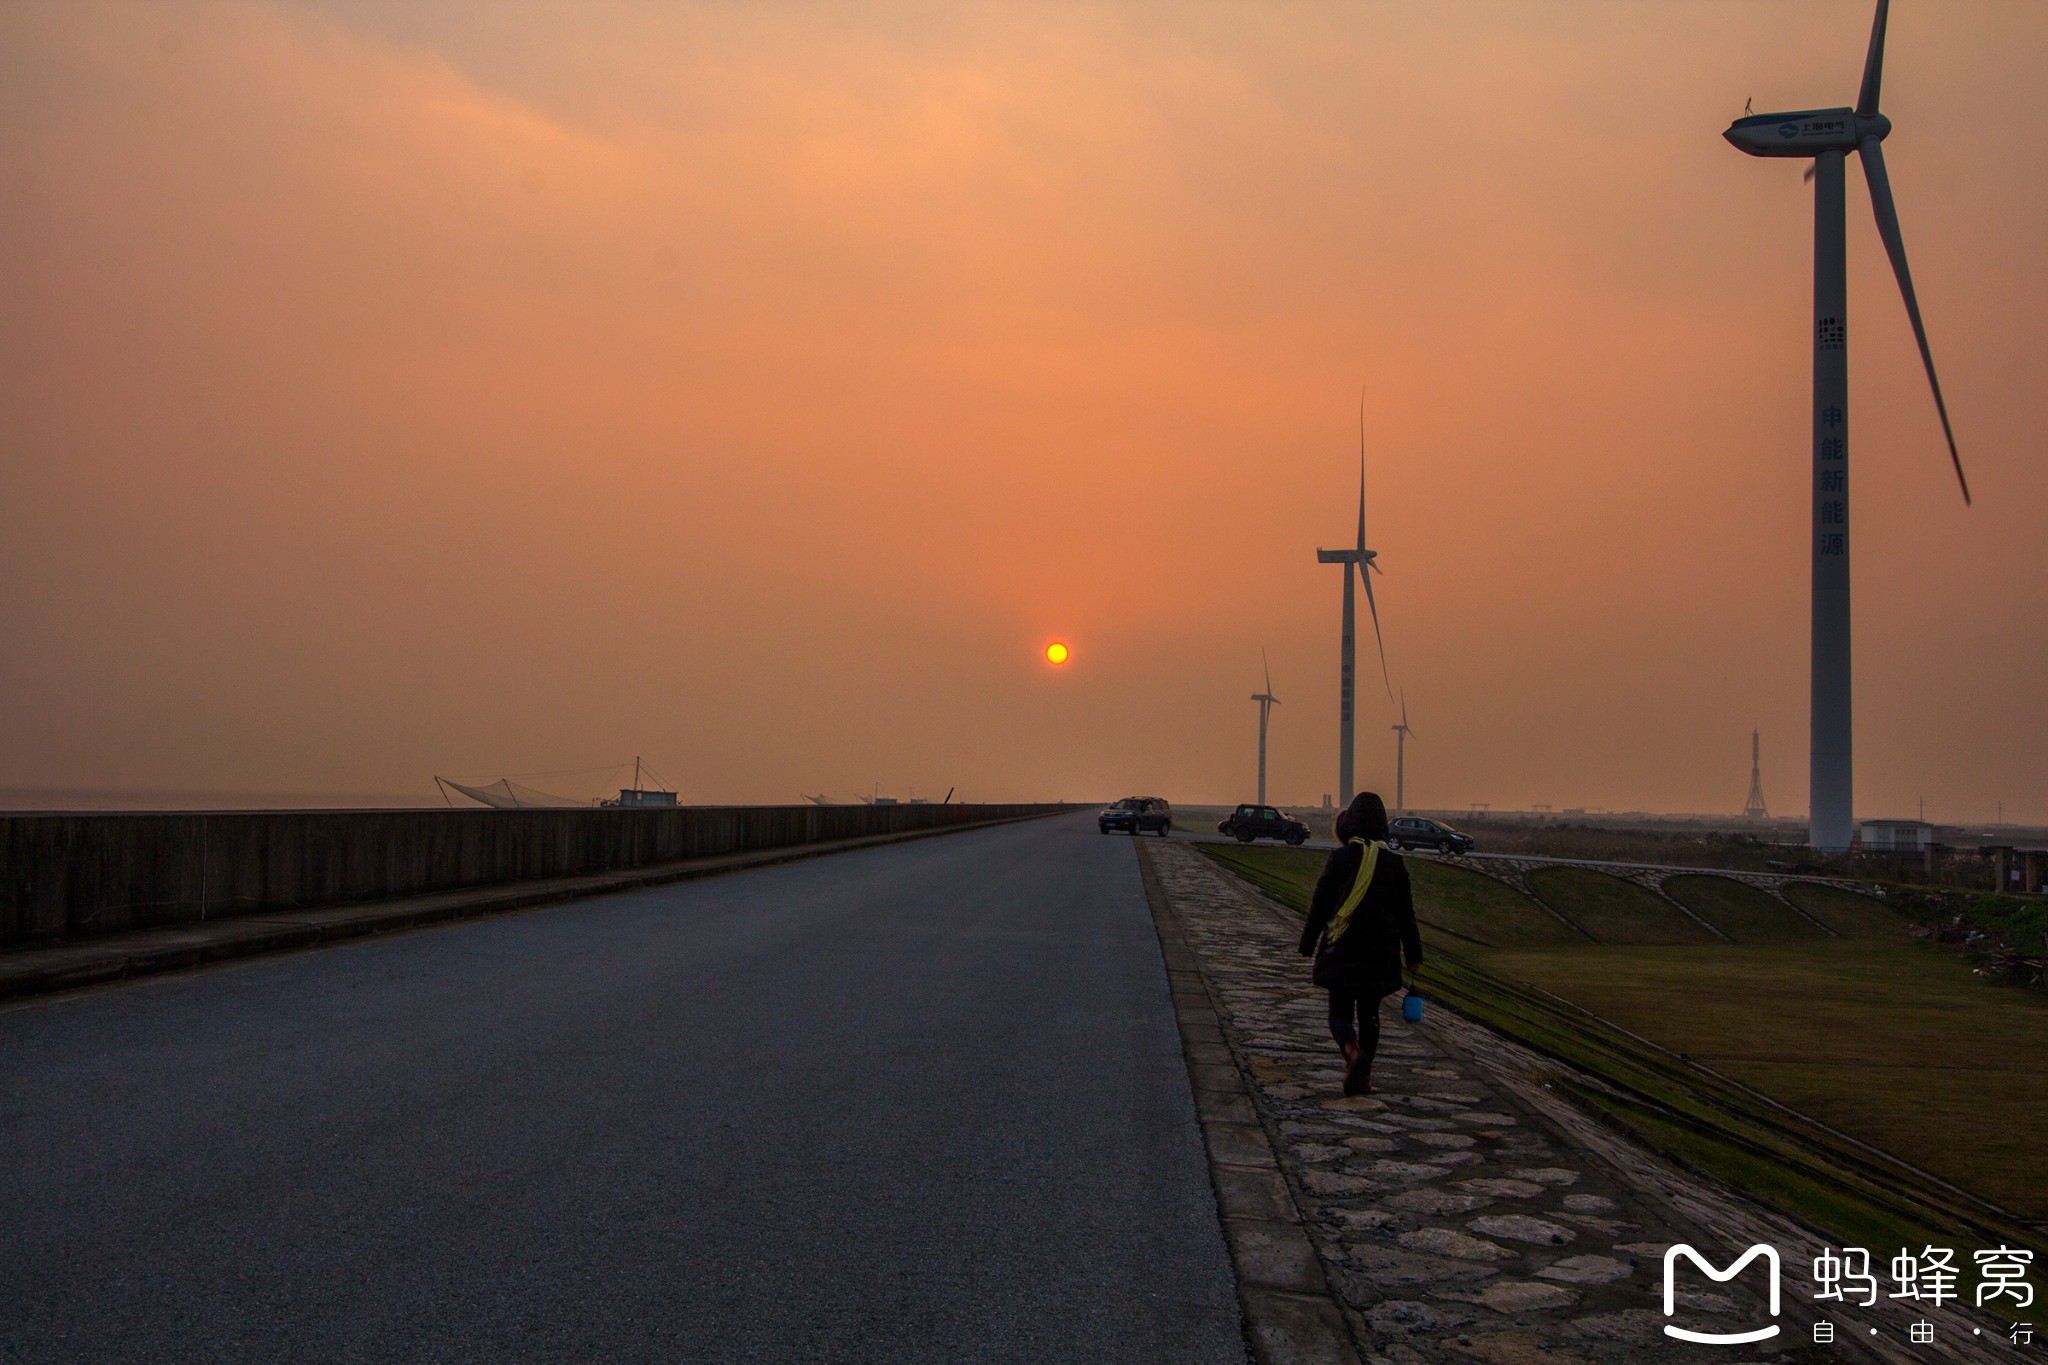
(1361, 924)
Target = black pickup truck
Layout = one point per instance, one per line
(1247, 823)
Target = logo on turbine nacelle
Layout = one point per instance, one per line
(1770, 1256)
(1792, 129)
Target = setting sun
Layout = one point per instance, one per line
(1056, 653)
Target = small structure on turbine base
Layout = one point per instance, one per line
(1267, 701)
(1753, 807)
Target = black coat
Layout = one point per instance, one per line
(1367, 960)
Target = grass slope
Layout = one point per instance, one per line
(1480, 909)
(1288, 875)
(1469, 905)
(1890, 1041)
(1845, 912)
(1886, 1040)
(1612, 910)
(1740, 911)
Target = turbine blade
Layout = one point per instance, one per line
(1360, 547)
(1374, 608)
(1811, 171)
(1888, 228)
(1361, 474)
(1269, 670)
(1873, 64)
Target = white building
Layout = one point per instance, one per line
(1895, 836)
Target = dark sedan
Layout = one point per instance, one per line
(1412, 831)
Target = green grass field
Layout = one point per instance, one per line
(1612, 910)
(1890, 1042)
(1894, 1043)
(1481, 910)
(1845, 912)
(1742, 912)
(1462, 903)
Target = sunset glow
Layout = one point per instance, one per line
(451, 387)
(1056, 653)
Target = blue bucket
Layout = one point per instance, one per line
(1411, 1008)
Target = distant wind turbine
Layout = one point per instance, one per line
(1401, 733)
(1267, 701)
(1828, 136)
(1346, 660)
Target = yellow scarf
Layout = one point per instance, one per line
(1341, 921)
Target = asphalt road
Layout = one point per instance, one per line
(923, 1102)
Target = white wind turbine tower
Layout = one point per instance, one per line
(1401, 733)
(1346, 661)
(1267, 701)
(1828, 136)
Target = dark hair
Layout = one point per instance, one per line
(1364, 818)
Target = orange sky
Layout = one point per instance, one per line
(467, 388)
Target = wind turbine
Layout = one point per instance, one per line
(1828, 136)
(1401, 733)
(1346, 665)
(1267, 701)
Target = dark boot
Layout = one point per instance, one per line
(1357, 1071)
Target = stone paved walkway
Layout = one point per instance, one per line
(1466, 1211)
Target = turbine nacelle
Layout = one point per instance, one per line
(1814, 133)
(1807, 132)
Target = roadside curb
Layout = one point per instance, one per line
(1290, 1315)
(26, 972)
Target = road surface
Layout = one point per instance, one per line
(922, 1102)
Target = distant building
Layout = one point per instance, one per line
(2018, 871)
(633, 796)
(1895, 836)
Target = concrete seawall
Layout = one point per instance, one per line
(73, 875)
